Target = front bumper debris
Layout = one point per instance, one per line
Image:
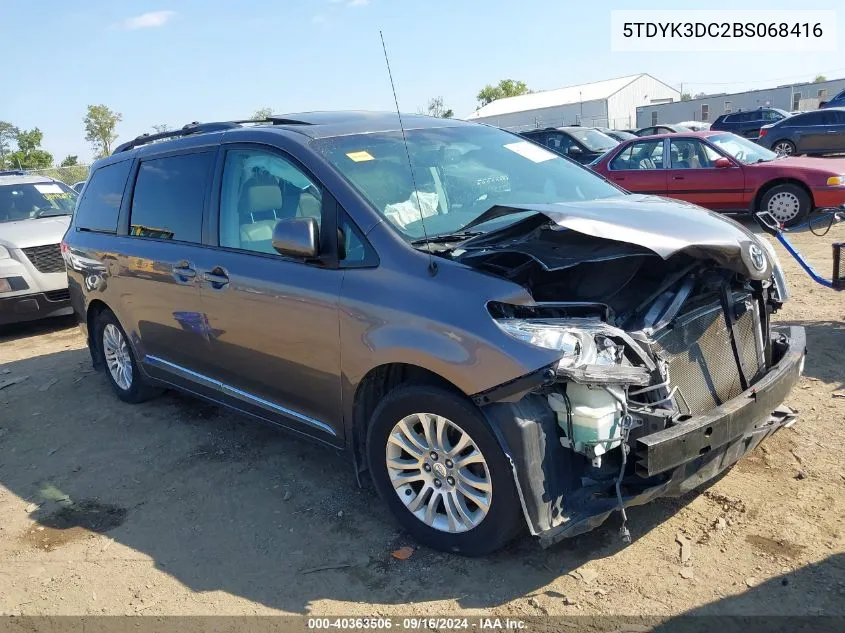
(557, 502)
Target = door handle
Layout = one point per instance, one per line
(184, 272)
(619, 178)
(677, 177)
(217, 278)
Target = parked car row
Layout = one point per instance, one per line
(817, 132)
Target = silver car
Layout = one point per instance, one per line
(34, 215)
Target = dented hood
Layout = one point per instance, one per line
(663, 226)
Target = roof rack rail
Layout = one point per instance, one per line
(12, 172)
(201, 128)
(187, 130)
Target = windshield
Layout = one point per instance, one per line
(593, 139)
(743, 150)
(459, 173)
(25, 201)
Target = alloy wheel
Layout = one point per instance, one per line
(783, 148)
(439, 472)
(784, 206)
(117, 356)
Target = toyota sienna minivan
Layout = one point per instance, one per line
(498, 336)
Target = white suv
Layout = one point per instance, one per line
(34, 214)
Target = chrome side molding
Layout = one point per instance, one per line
(236, 393)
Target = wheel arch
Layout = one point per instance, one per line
(95, 308)
(375, 385)
(786, 180)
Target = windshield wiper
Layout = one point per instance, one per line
(50, 215)
(446, 237)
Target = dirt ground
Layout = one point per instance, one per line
(176, 507)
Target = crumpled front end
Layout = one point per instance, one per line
(566, 493)
(669, 370)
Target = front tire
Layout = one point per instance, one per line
(118, 360)
(439, 468)
(788, 204)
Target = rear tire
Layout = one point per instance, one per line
(787, 203)
(457, 462)
(784, 148)
(118, 360)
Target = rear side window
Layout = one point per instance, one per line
(812, 118)
(99, 207)
(640, 155)
(169, 194)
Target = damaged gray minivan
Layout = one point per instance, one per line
(497, 335)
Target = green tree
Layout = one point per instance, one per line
(71, 160)
(262, 113)
(100, 124)
(437, 108)
(8, 135)
(819, 79)
(161, 127)
(685, 96)
(29, 154)
(505, 88)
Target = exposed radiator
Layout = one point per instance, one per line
(700, 358)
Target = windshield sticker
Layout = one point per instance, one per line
(359, 157)
(531, 151)
(64, 195)
(50, 188)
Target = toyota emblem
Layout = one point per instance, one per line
(758, 258)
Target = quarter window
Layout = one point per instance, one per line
(259, 189)
(167, 203)
(99, 207)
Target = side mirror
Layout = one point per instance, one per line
(722, 163)
(574, 150)
(297, 237)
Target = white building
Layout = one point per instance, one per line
(612, 103)
(799, 96)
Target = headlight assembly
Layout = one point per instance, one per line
(577, 346)
(589, 353)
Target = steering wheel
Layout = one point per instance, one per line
(43, 211)
(740, 155)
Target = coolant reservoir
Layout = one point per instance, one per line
(596, 419)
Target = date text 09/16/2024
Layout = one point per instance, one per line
(418, 623)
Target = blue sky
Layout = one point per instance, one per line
(176, 61)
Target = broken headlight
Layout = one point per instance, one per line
(592, 352)
(578, 346)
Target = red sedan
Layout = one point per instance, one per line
(725, 172)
